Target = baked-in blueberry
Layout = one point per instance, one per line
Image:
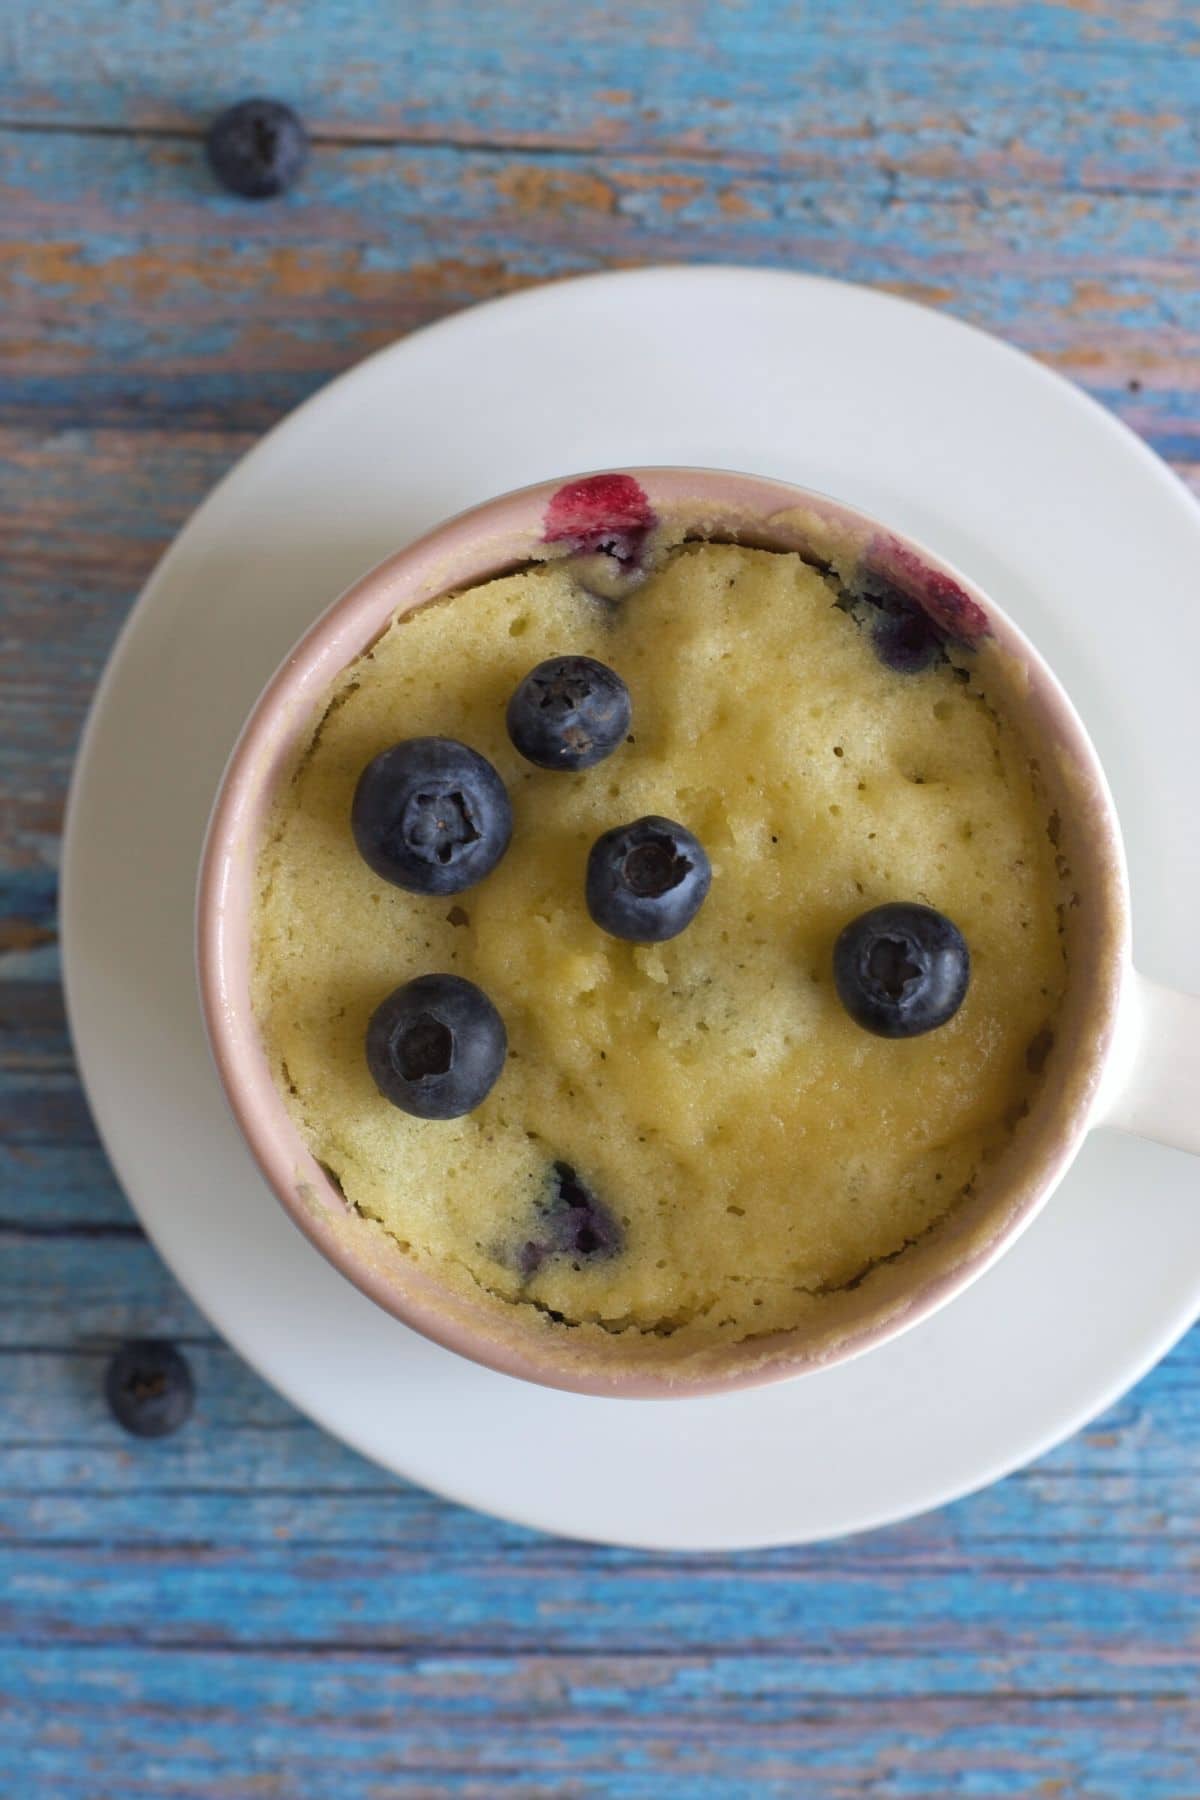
(571, 1222)
(257, 148)
(901, 969)
(436, 1046)
(569, 713)
(646, 881)
(905, 634)
(149, 1387)
(905, 637)
(431, 815)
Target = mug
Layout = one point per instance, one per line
(1127, 1051)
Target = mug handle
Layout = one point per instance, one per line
(1157, 1094)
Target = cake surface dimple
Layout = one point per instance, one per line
(689, 1138)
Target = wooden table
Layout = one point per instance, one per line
(247, 1609)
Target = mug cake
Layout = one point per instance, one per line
(661, 941)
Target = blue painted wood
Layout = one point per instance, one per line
(248, 1609)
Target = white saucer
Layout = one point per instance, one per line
(1086, 539)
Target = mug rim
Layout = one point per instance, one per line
(451, 556)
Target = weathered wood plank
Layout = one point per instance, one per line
(58, 1187)
(1068, 91)
(41, 1102)
(572, 1727)
(140, 293)
(271, 1486)
(185, 1724)
(997, 1627)
(989, 1629)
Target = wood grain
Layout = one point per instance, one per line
(141, 294)
(248, 1609)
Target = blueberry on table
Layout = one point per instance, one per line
(149, 1387)
(569, 713)
(436, 1046)
(257, 148)
(646, 881)
(431, 816)
(901, 969)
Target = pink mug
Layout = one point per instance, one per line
(1128, 1051)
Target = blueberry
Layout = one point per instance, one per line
(436, 1046)
(906, 639)
(901, 969)
(571, 1222)
(257, 148)
(904, 636)
(431, 816)
(569, 713)
(149, 1387)
(646, 881)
